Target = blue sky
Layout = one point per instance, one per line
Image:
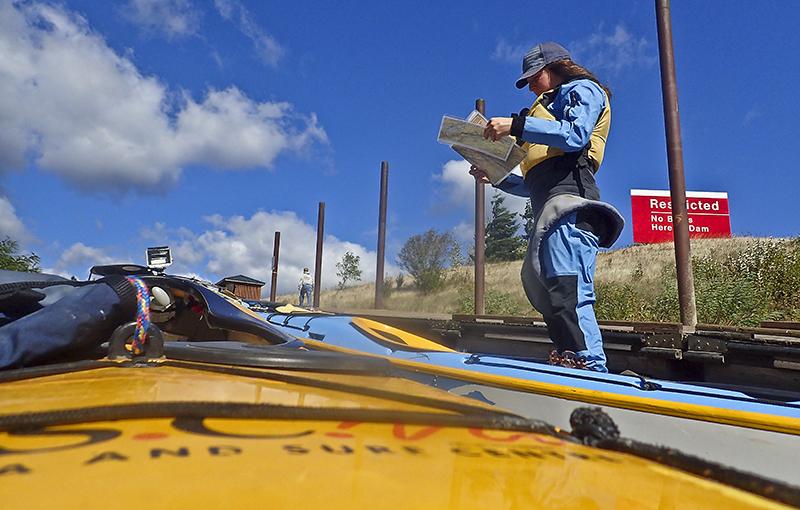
(208, 125)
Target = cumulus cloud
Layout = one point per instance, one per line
(80, 110)
(241, 245)
(79, 258)
(10, 225)
(267, 48)
(170, 18)
(457, 190)
(614, 50)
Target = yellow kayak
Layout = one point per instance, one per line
(173, 433)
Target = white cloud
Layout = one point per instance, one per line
(172, 18)
(10, 224)
(457, 185)
(458, 189)
(510, 54)
(82, 111)
(267, 48)
(603, 51)
(240, 245)
(751, 115)
(79, 258)
(464, 232)
(613, 51)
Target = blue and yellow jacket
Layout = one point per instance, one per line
(564, 135)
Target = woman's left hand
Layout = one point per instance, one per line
(498, 128)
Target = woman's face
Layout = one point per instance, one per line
(541, 82)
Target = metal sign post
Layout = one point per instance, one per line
(677, 181)
(276, 250)
(318, 263)
(480, 232)
(381, 235)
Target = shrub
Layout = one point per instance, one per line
(386, 290)
(757, 283)
(425, 257)
(495, 303)
(348, 269)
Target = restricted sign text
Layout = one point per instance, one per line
(709, 215)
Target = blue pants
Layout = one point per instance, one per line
(305, 290)
(564, 293)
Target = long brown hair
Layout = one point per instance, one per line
(568, 70)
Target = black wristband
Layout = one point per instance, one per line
(517, 125)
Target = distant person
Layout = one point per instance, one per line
(564, 133)
(305, 286)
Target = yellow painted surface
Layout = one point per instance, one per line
(161, 464)
(380, 329)
(121, 385)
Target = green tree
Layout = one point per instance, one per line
(528, 220)
(13, 262)
(425, 257)
(348, 269)
(502, 242)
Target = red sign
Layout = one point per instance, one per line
(709, 215)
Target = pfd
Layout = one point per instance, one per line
(537, 153)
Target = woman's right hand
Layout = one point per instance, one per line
(479, 175)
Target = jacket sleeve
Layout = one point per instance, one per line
(513, 184)
(578, 109)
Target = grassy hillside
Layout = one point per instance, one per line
(739, 281)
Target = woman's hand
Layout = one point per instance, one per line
(479, 175)
(497, 128)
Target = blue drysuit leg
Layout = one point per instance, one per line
(567, 255)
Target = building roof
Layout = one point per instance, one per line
(240, 278)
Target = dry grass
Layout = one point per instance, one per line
(644, 263)
(619, 266)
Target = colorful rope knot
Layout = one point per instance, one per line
(142, 315)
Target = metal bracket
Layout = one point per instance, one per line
(118, 350)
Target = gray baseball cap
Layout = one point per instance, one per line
(538, 57)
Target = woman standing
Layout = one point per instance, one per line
(564, 133)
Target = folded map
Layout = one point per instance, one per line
(495, 158)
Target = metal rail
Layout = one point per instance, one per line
(762, 357)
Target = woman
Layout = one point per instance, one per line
(564, 133)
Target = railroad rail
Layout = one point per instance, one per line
(767, 356)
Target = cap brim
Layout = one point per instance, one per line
(522, 81)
